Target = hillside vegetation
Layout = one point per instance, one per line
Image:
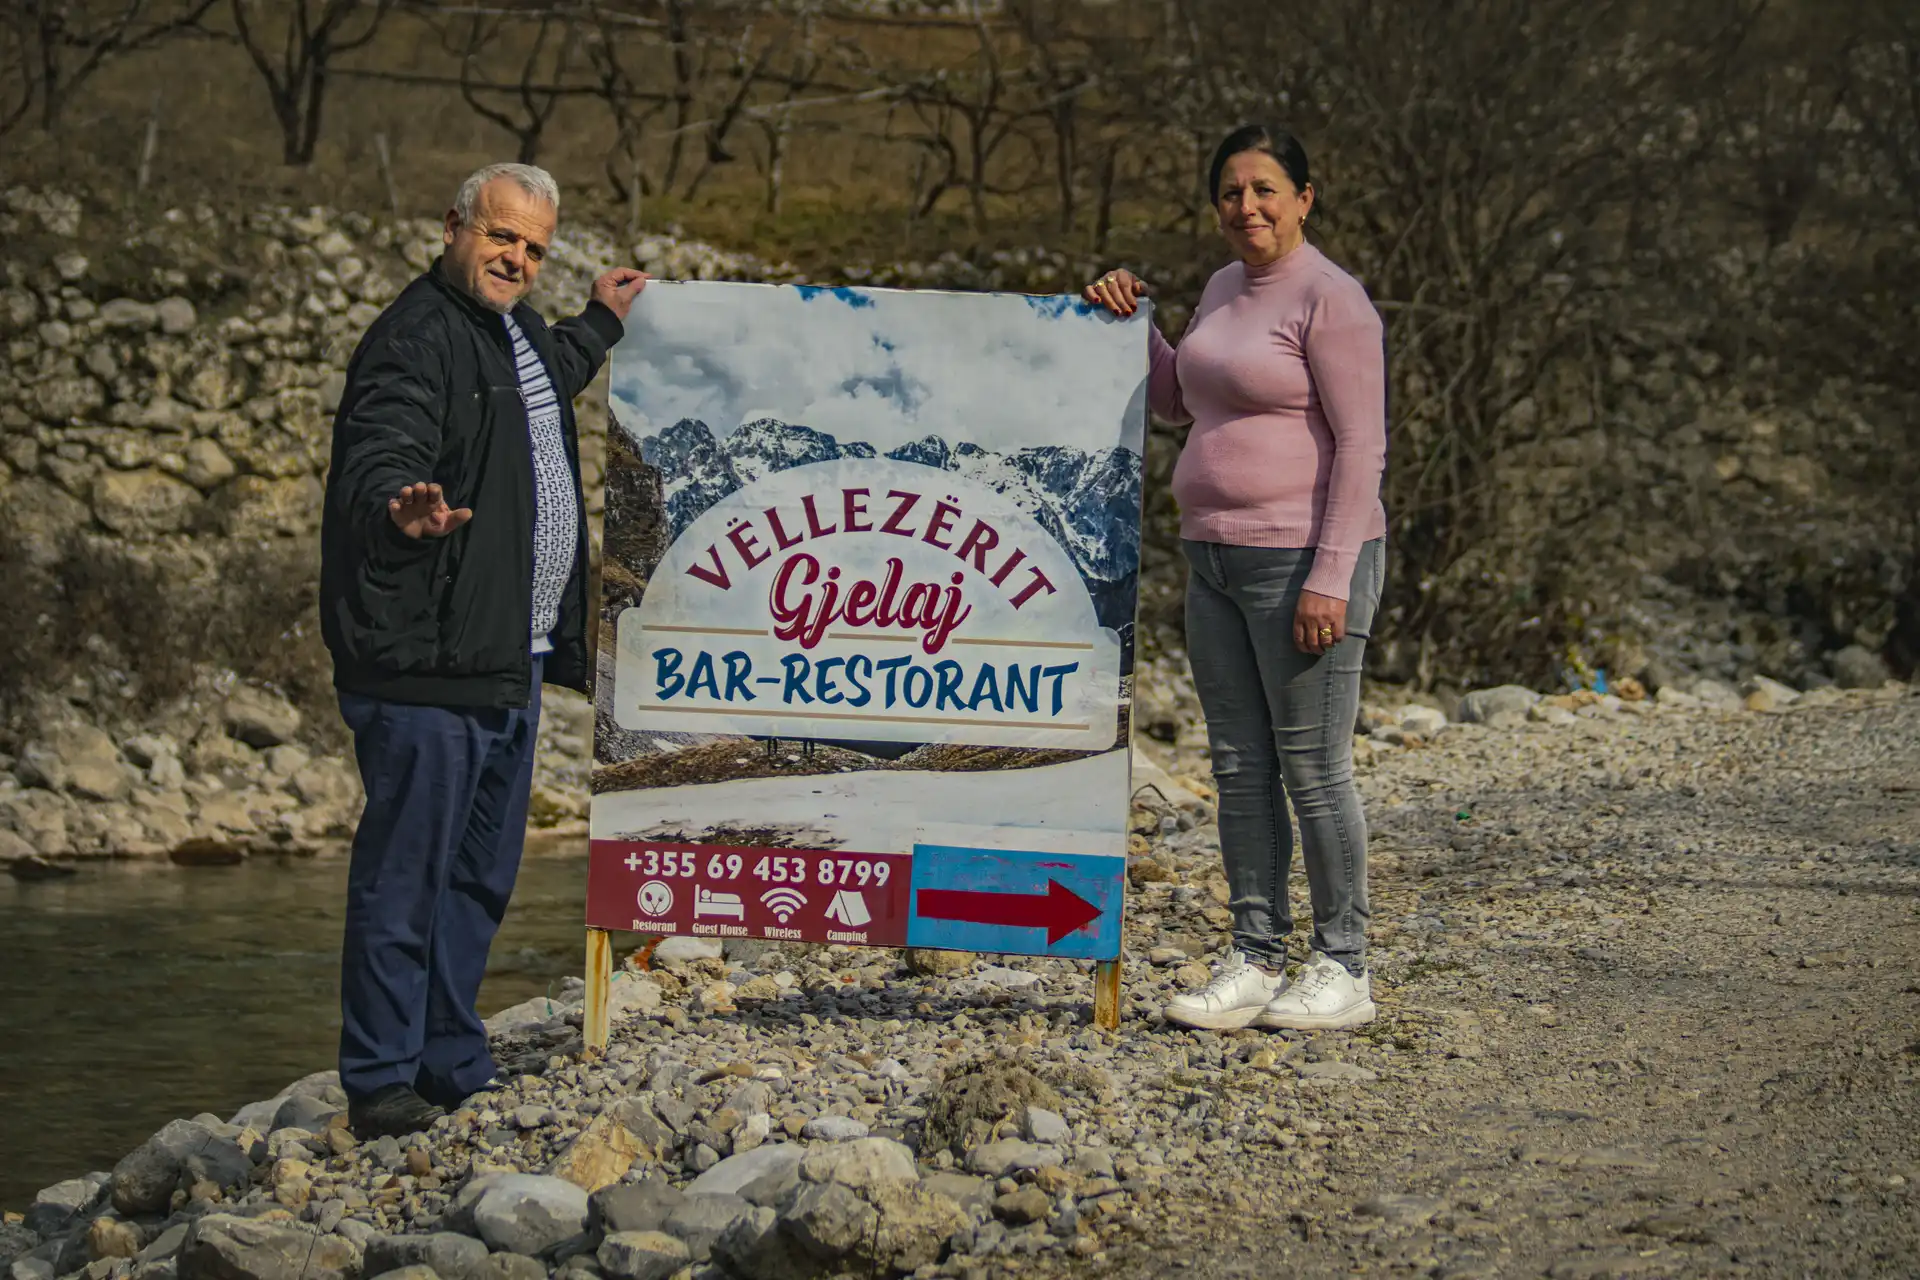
(1647, 273)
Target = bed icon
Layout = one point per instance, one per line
(708, 903)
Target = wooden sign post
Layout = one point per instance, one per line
(866, 644)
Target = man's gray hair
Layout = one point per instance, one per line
(535, 181)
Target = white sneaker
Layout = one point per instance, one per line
(1236, 995)
(1325, 998)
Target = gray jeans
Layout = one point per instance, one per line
(1280, 724)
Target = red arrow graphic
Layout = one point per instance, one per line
(1059, 910)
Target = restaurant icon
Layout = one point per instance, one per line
(655, 898)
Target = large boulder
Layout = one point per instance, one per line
(702, 1219)
(258, 507)
(860, 1164)
(225, 1247)
(59, 401)
(756, 1246)
(59, 1206)
(40, 819)
(915, 1224)
(145, 1179)
(76, 757)
(736, 1175)
(529, 1213)
(828, 1222)
(37, 519)
(326, 783)
(143, 503)
(608, 1147)
(1858, 667)
(451, 1255)
(259, 718)
(642, 1255)
(205, 465)
(634, 1206)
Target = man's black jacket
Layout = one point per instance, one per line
(432, 396)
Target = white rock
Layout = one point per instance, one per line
(527, 1213)
(683, 950)
(834, 1129)
(642, 1255)
(1717, 694)
(1480, 706)
(735, 1173)
(1425, 721)
(1772, 692)
(1046, 1126)
(632, 996)
(128, 313)
(176, 315)
(863, 1162)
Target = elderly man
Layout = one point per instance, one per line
(452, 585)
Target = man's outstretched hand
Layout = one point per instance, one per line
(617, 289)
(421, 511)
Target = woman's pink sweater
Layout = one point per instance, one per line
(1283, 374)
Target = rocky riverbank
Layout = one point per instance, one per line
(1539, 863)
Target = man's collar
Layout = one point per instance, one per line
(485, 315)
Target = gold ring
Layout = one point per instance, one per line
(1326, 631)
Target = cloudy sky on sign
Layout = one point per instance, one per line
(887, 367)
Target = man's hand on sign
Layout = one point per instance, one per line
(421, 511)
(617, 289)
(1119, 291)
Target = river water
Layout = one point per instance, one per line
(131, 995)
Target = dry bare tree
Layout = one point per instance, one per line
(16, 71)
(613, 43)
(777, 123)
(960, 114)
(544, 46)
(292, 44)
(62, 43)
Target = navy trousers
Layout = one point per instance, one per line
(434, 861)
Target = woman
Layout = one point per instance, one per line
(1282, 374)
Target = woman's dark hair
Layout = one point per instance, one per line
(1278, 143)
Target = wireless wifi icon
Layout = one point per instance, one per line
(783, 902)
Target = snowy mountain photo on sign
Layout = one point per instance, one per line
(1041, 399)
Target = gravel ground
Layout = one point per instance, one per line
(1648, 981)
(1651, 1007)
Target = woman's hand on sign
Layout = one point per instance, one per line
(421, 511)
(1119, 291)
(1319, 623)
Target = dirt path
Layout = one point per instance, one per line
(1669, 1026)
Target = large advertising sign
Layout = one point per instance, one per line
(870, 563)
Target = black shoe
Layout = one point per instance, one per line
(392, 1109)
(452, 1099)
